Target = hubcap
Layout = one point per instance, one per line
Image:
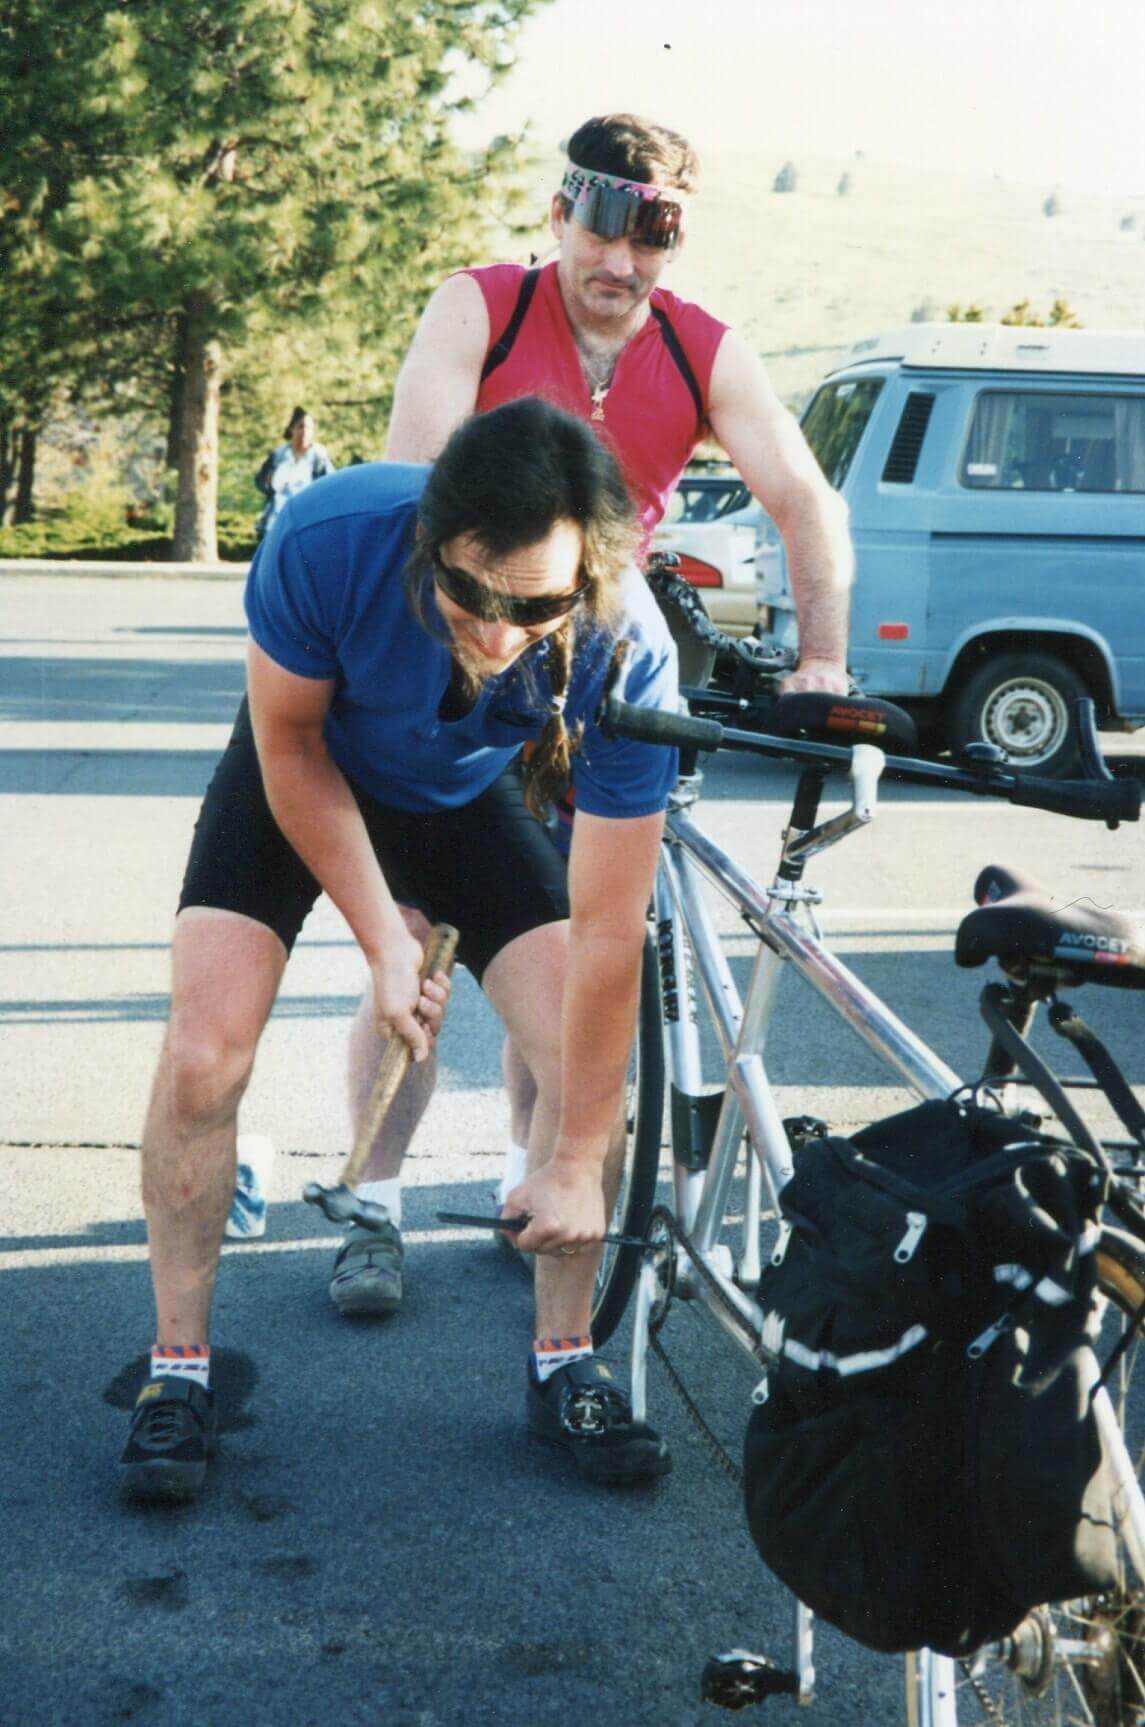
(1027, 719)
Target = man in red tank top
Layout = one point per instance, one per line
(595, 333)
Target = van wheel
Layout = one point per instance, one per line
(1022, 703)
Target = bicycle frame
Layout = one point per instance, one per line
(783, 919)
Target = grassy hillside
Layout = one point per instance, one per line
(800, 274)
(803, 274)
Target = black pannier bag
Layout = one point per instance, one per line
(924, 1466)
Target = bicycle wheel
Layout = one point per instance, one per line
(1076, 1663)
(644, 1114)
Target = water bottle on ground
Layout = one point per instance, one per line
(252, 1187)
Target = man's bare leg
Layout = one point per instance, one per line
(416, 1089)
(367, 1277)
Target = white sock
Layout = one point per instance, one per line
(387, 1193)
(516, 1158)
(551, 1353)
(191, 1361)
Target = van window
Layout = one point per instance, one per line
(1040, 442)
(835, 420)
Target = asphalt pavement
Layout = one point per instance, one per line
(378, 1542)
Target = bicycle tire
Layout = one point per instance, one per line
(1055, 1692)
(644, 1109)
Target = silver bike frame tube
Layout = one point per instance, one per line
(890, 1039)
(749, 1099)
(715, 974)
(1128, 1503)
(934, 1703)
(681, 1030)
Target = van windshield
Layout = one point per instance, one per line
(835, 421)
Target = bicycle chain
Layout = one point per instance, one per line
(988, 1706)
(676, 1231)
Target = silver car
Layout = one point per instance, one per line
(715, 527)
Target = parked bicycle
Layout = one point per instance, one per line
(1083, 1662)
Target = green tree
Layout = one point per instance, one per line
(194, 181)
(971, 314)
(787, 179)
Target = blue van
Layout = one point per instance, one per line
(996, 482)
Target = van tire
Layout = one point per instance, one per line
(1023, 703)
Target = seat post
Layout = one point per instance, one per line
(804, 814)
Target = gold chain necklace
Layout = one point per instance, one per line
(598, 370)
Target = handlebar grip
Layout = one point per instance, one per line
(621, 719)
(1092, 800)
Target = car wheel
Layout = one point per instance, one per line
(1022, 703)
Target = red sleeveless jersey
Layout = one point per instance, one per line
(651, 420)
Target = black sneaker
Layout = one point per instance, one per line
(172, 1435)
(582, 1408)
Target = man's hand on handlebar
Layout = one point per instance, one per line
(811, 674)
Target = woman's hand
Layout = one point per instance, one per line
(564, 1203)
(405, 1005)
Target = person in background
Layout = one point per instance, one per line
(290, 467)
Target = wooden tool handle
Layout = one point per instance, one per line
(440, 952)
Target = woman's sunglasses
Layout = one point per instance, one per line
(493, 605)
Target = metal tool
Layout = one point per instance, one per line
(341, 1204)
(514, 1226)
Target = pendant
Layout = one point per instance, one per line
(598, 396)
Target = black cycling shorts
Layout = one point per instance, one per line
(488, 868)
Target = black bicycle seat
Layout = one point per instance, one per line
(1018, 924)
(857, 719)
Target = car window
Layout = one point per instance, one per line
(835, 421)
(707, 500)
(1042, 441)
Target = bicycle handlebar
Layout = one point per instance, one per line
(1107, 800)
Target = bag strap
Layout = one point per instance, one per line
(1068, 1023)
(503, 346)
(864, 1168)
(1037, 1073)
(676, 348)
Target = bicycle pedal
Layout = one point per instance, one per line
(738, 1679)
(800, 1128)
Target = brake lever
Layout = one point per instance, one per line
(1092, 760)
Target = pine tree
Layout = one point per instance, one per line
(185, 181)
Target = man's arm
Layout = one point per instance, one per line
(767, 446)
(441, 373)
(611, 870)
(314, 807)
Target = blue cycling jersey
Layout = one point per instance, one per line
(326, 597)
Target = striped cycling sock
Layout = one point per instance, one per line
(182, 1361)
(551, 1353)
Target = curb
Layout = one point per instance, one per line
(161, 572)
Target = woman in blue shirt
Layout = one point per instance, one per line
(410, 629)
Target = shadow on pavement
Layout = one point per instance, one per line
(377, 1540)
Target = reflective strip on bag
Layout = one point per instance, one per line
(863, 1361)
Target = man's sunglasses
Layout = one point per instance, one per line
(609, 207)
(493, 605)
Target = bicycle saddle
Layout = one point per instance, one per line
(856, 719)
(1018, 924)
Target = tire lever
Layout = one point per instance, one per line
(514, 1226)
